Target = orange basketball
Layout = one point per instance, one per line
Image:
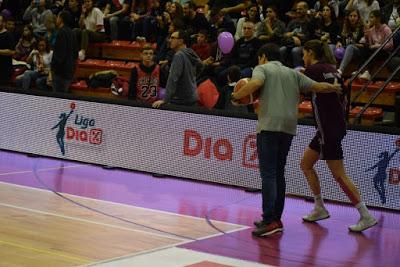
(249, 99)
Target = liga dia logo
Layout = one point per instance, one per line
(82, 130)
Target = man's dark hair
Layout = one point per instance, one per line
(234, 73)
(184, 36)
(66, 17)
(271, 51)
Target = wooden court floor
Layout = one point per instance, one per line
(39, 228)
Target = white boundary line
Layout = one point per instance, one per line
(240, 227)
(123, 204)
(183, 241)
(87, 221)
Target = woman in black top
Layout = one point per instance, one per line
(6, 53)
(327, 144)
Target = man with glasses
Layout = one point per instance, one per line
(181, 84)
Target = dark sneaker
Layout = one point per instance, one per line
(268, 229)
(260, 222)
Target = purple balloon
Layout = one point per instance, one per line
(225, 42)
(339, 53)
(161, 93)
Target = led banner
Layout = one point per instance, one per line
(196, 146)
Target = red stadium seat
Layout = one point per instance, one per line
(305, 109)
(371, 115)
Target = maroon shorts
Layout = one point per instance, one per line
(328, 149)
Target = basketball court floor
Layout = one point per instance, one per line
(62, 213)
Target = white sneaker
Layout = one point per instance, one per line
(365, 76)
(316, 214)
(81, 55)
(363, 224)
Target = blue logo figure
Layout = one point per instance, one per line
(381, 176)
(61, 128)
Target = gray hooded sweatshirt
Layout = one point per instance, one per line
(181, 83)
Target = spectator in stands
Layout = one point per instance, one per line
(181, 84)
(224, 100)
(15, 7)
(233, 8)
(10, 26)
(114, 13)
(327, 143)
(327, 28)
(193, 20)
(145, 78)
(64, 55)
(334, 4)
(25, 44)
(91, 27)
(40, 60)
(262, 9)
(143, 19)
(36, 14)
(220, 23)
(374, 38)
(202, 47)
(272, 28)
(391, 14)
(165, 52)
(74, 8)
(51, 32)
(251, 15)
(277, 121)
(299, 30)
(243, 54)
(350, 37)
(364, 7)
(6, 53)
(176, 11)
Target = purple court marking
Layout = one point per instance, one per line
(325, 244)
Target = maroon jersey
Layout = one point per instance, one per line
(328, 108)
(147, 85)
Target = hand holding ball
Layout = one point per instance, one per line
(247, 100)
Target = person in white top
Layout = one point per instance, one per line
(92, 27)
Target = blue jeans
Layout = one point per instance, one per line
(273, 148)
(350, 52)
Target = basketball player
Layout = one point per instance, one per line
(329, 116)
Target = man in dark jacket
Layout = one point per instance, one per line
(65, 54)
(181, 86)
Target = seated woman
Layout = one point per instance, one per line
(350, 37)
(92, 27)
(25, 44)
(40, 60)
(374, 37)
(272, 28)
(326, 28)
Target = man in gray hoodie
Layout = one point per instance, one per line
(181, 84)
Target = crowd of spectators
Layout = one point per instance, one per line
(29, 31)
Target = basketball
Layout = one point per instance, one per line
(249, 99)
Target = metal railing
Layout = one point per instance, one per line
(357, 118)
